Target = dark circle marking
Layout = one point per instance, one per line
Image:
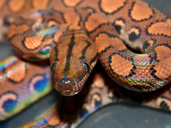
(10, 101)
(119, 24)
(164, 105)
(134, 34)
(38, 83)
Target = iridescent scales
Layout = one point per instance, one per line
(142, 59)
(31, 82)
(120, 29)
(8, 102)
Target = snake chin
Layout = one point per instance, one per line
(68, 93)
(68, 87)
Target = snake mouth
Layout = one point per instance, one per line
(67, 87)
(68, 92)
(70, 87)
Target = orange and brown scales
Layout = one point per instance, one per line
(71, 3)
(141, 11)
(105, 40)
(16, 72)
(162, 52)
(160, 28)
(33, 42)
(15, 6)
(72, 60)
(119, 63)
(163, 69)
(110, 6)
(15, 29)
(18, 77)
(40, 4)
(93, 21)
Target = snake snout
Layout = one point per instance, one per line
(66, 87)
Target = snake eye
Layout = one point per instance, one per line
(86, 66)
(53, 66)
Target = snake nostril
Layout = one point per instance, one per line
(66, 87)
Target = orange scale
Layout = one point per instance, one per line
(163, 69)
(163, 52)
(72, 3)
(33, 42)
(69, 18)
(40, 3)
(141, 11)
(16, 6)
(101, 42)
(18, 71)
(161, 28)
(110, 6)
(94, 21)
(124, 67)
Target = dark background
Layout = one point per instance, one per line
(119, 115)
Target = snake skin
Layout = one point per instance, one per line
(139, 58)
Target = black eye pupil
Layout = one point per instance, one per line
(86, 67)
(53, 67)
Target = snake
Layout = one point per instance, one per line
(129, 38)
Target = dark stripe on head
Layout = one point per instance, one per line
(95, 57)
(69, 53)
(84, 50)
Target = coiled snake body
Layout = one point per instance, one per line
(130, 38)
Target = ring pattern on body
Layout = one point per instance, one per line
(130, 38)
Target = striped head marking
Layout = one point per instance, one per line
(71, 80)
(71, 62)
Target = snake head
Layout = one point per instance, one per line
(70, 81)
(72, 60)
